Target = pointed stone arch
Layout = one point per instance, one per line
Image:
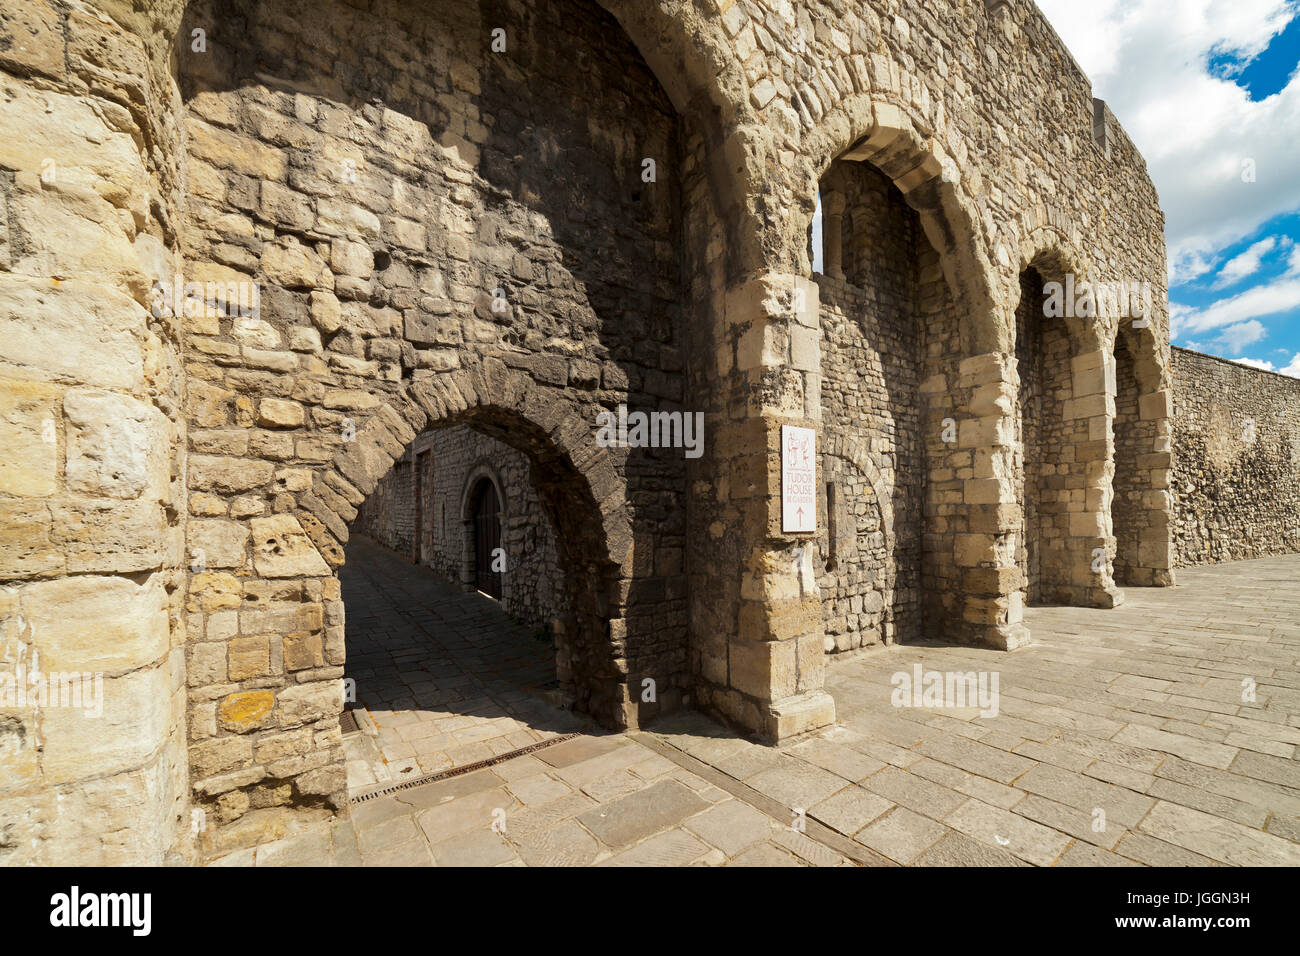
(868, 128)
(578, 481)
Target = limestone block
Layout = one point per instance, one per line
(351, 258)
(763, 669)
(1093, 373)
(116, 446)
(303, 650)
(213, 591)
(229, 150)
(246, 711)
(326, 312)
(111, 535)
(288, 263)
(988, 491)
(78, 743)
(75, 330)
(765, 344)
(336, 217)
(1155, 405)
(972, 550)
(281, 549)
(280, 413)
(249, 657)
(75, 136)
(71, 230)
(256, 332)
(222, 544)
(28, 412)
(222, 754)
(1088, 524)
(993, 399)
(306, 703)
(227, 476)
(797, 715)
(986, 369)
(285, 207)
(805, 348)
(993, 431)
(97, 623)
(1098, 404)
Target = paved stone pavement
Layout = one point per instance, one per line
(1163, 732)
(443, 677)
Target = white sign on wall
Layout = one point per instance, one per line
(798, 478)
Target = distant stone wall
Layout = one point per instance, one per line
(1236, 476)
(447, 461)
(388, 515)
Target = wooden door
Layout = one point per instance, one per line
(487, 539)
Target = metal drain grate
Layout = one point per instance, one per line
(457, 771)
(348, 723)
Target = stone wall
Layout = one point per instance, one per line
(873, 457)
(388, 513)
(413, 206)
(442, 232)
(1236, 478)
(450, 462)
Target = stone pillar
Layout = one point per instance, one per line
(775, 656)
(91, 488)
(1155, 547)
(1090, 544)
(983, 463)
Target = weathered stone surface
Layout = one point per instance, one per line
(281, 549)
(112, 442)
(427, 266)
(28, 415)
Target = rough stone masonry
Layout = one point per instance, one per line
(251, 250)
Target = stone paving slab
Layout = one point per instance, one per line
(1159, 733)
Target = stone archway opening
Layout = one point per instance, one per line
(483, 645)
(884, 309)
(1064, 413)
(432, 233)
(1132, 437)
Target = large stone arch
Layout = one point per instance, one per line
(372, 328)
(275, 618)
(869, 128)
(580, 480)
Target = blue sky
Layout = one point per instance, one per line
(1210, 92)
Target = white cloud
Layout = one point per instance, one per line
(1245, 264)
(1235, 338)
(1292, 368)
(1148, 60)
(1281, 295)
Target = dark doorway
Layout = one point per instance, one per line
(487, 539)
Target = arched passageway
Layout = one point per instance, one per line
(436, 236)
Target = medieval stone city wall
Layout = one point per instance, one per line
(442, 233)
(450, 461)
(1236, 461)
